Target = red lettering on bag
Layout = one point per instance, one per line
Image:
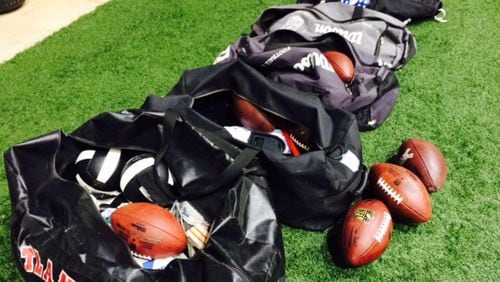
(38, 266)
(63, 277)
(47, 274)
(33, 264)
(28, 255)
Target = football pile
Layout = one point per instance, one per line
(396, 191)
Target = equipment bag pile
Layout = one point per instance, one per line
(194, 185)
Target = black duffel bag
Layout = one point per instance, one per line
(311, 191)
(414, 10)
(58, 233)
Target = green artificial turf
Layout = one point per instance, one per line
(112, 59)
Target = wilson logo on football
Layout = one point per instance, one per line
(389, 191)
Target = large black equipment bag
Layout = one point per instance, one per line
(58, 233)
(311, 191)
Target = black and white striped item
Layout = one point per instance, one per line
(138, 179)
(99, 171)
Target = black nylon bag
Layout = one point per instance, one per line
(414, 10)
(312, 191)
(57, 231)
(288, 57)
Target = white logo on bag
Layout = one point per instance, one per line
(353, 37)
(313, 59)
(294, 23)
(276, 55)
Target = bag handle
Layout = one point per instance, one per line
(241, 159)
(231, 173)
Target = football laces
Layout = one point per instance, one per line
(300, 144)
(389, 191)
(141, 256)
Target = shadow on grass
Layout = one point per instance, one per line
(332, 250)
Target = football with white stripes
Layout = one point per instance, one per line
(366, 232)
(99, 169)
(402, 191)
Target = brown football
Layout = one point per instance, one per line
(402, 191)
(150, 231)
(251, 116)
(366, 232)
(425, 160)
(342, 65)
